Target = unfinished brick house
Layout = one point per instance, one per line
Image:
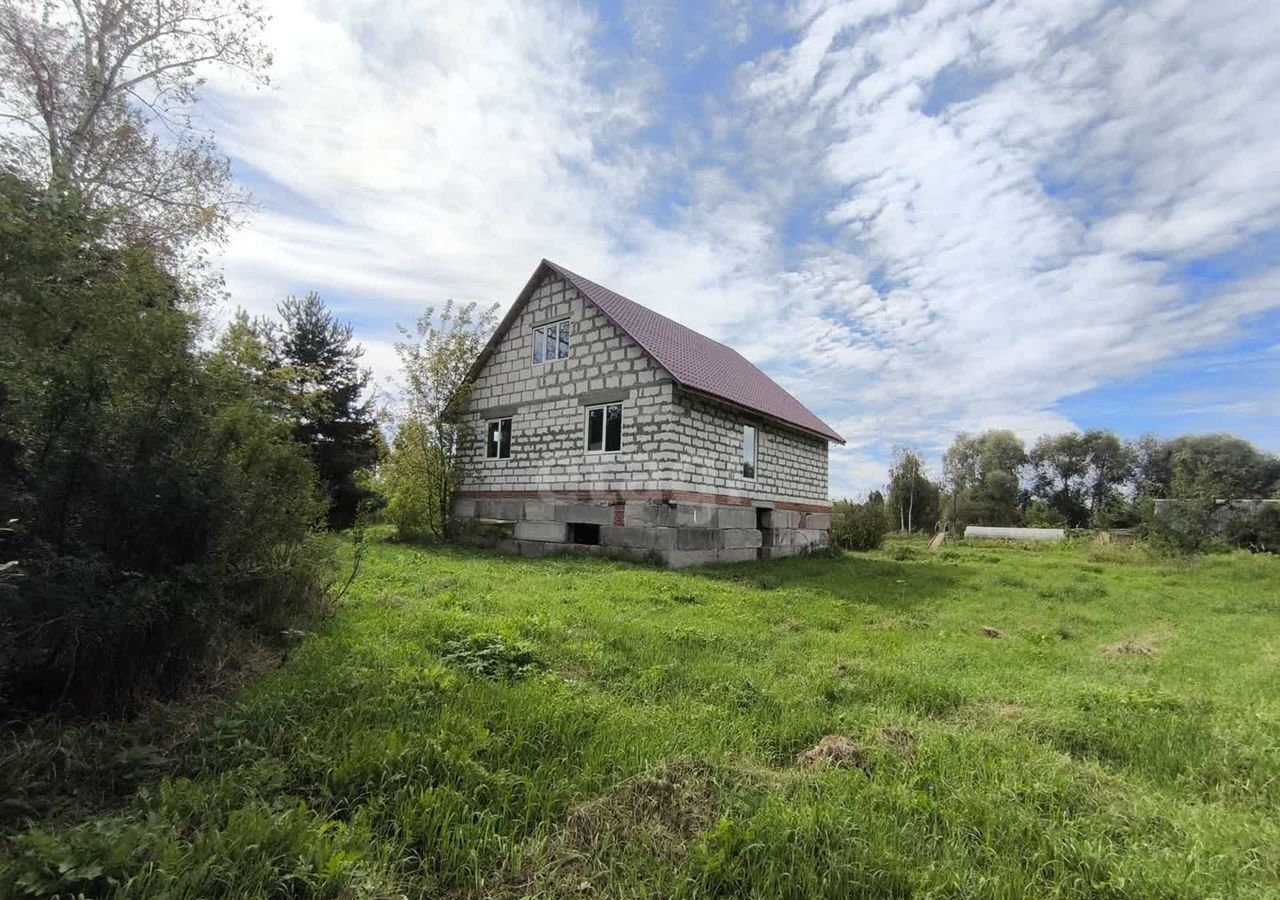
(596, 423)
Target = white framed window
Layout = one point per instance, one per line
(497, 441)
(750, 438)
(551, 342)
(604, 428)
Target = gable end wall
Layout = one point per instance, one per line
(676, 488)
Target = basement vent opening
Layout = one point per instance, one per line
(583, 533)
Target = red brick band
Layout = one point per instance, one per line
(616, 497)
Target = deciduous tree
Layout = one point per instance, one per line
(98, 97)
(436, 356)
(913, 497)
(1059, 463)
(982, 474)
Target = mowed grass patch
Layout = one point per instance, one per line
(478, 726)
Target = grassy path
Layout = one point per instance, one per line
(1011, 723)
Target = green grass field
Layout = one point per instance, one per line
(476, 726)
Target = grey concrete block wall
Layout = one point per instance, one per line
(547, 403)
(671, 441)
(553, 532)
(676, 486)
(545, 526)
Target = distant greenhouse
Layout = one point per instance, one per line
(987, 532)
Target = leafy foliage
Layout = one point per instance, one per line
(410, 480)
(858, 526)
(427, 454)
(98, 97)
(492, 656)
(1094, 479)
(981, 472)
(156, 507)
(915, 500)
(1257, 531)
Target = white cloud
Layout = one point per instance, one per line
(1005, 294)
(997, 195)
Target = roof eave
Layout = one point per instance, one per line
(832, 438)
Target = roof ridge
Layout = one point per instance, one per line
(570, 274)
(750, 389)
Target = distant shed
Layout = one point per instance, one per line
(989, 533)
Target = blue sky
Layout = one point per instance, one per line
(919, 217)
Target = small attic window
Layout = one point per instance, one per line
(551, 342)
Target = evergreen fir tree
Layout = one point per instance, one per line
(334, 418)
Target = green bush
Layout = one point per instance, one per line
(1040, 514)
(411, 479)
(1258, 532)
(1183, 527)
(491, 656)
(858, 526)
(155, 505)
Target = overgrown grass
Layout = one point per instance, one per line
(474, 726)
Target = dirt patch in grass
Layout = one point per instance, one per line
(1130, 647)
(899, 741)
(989, 631)
(664, 808)
(1147, 644)
(835, 750)
(657, 814)
(1009, 711)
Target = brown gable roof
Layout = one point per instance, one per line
(695, 361)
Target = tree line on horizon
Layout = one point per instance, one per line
(1089, 479)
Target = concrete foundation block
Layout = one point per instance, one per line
(696, 515)
(531, 548)
(817, 521)
(649, 512)
(639, 537)
(464, 508)
(680, 559)
(797, 537)
(492, 529)
(737, 554)
(778, 552)
(585, 513)
(736, 517)
(785, 518)
(697, 539)
(511, 510)
(539, 511)
(556, 532)
(740, 538)
(808, 537)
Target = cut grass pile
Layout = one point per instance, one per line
(977, 722)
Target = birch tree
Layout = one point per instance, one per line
(436, 357)
(97, 99)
